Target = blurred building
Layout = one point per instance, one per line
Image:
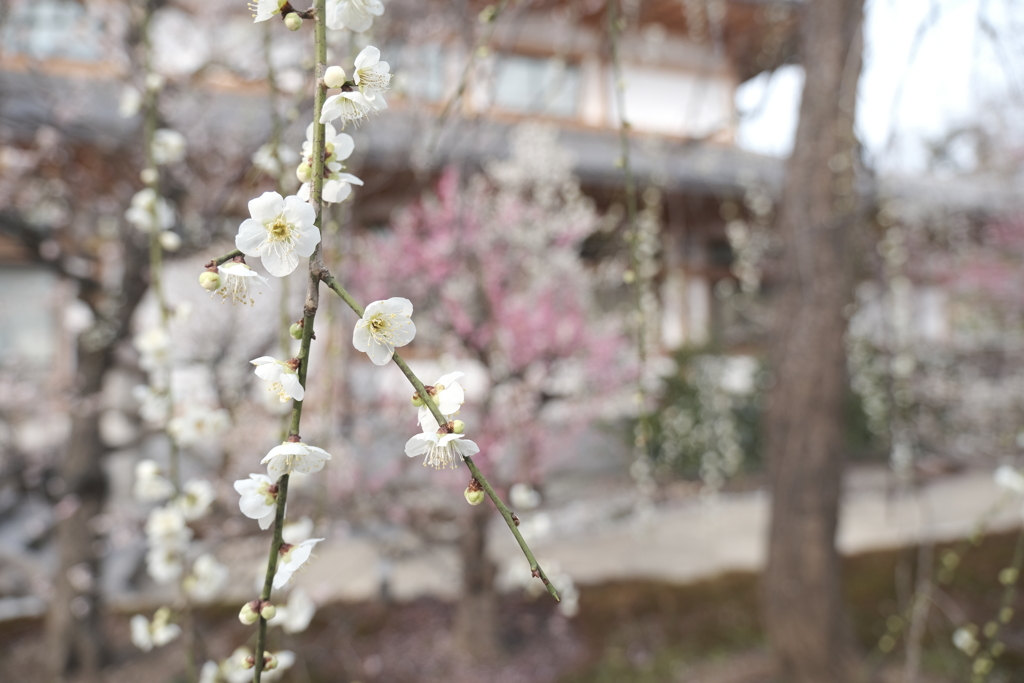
(62, 69)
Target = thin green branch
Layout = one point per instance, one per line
(309, 314)
(268, 581)
(224, 259)
(507, 514)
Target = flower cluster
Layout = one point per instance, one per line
(360, 96)
(441, 446)
(337, 147)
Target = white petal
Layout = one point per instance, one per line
(380, 354)
(467, 447)
(267, 207)
(348, 178)
(336, 191)
(367, 57)
(417, 445)
(397, 304)
(403, 332)
(361, 336)
(307, 240)
(279, 259)
(292, 386)
(343, 146)
(299, 213)
(251, 236)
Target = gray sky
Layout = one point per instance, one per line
(957, 75)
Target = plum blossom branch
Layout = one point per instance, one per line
(309, 314)
(507, 514)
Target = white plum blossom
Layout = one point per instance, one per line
(964, 639)
(236, 278)
(168, 146)
(154, 347)
(130, 102)
(165, 563)
(1010, 478)
(198, 425)
(296, 615)
(346, 106)
(291, 559)
(150, 485)
(195, 499)
(372, 77)
(293, 456)
(523, 496)
(440, 450)
(146, 635)
(166, 527)
(168, 538)
(449, 396)
(207, 580)
(273, 163)
(384, 326)
(170, 241)
(210, 673)
(339, 147)
(236, 668)
(265, 9)
(280, 231)
(258, 498)
(282, 375)
(154, 406)
(355, 15)
(149, 211)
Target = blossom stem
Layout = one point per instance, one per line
(268, 581)
(225, 258)
(309, 313)
(417, 384)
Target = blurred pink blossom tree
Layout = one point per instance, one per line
(493, 261)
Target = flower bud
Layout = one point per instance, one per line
(270, 660)
(170, 241)
(268, 611)
(334, 77)
(474, 496)
(209, 280)
(458, 426)
(329, 148)
(293, 21)
(149, 176)
(295, 331)
(304, 172)
(416, 400)
(248, 615)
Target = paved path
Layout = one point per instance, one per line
(598, 537)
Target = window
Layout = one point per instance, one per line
(534, 85)
(419, 70)
(677, 103)
(52, 28)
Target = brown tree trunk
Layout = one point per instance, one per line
(476, 617)
(804, 614)
(73, 625)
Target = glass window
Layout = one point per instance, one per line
(418, 69)
(52, 28)
(536, 86)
